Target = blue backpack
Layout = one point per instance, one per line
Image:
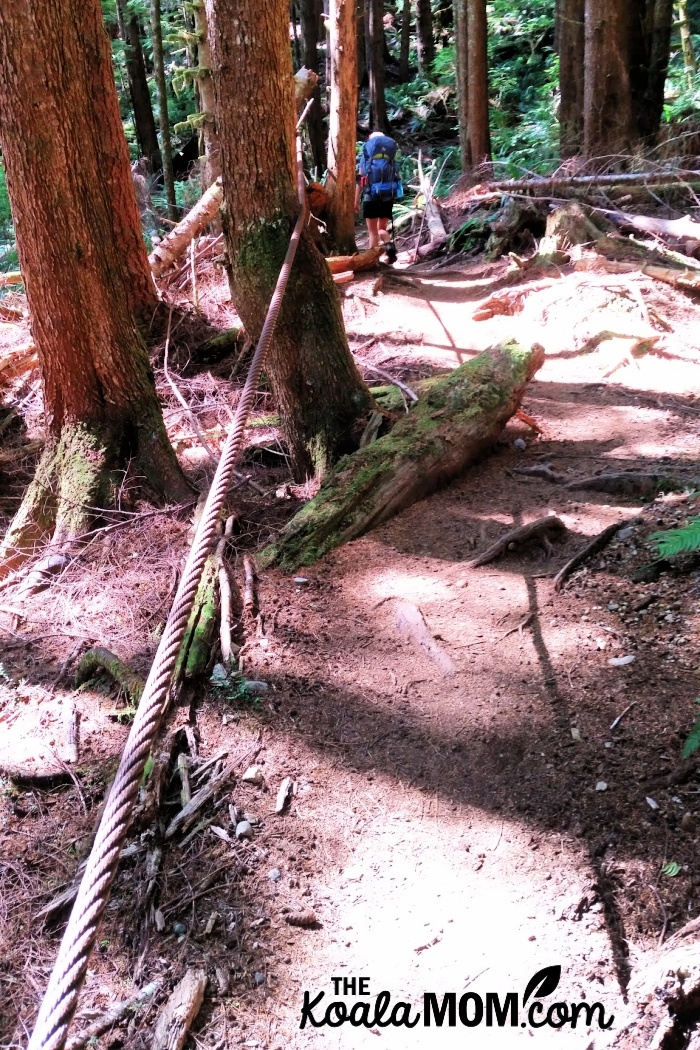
(377, 166)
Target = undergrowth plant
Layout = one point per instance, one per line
(681, 540)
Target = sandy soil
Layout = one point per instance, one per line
(450, 829)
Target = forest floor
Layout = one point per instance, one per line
(451, 831)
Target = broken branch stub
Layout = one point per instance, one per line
(455, 422)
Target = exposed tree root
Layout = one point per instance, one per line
(100, 659)
(540, 530)
(592, 547)
(632, 484)
(453, 424)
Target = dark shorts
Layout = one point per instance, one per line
(377, 209)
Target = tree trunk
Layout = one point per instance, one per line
(340, 184)
(362, 44)
(689, 60)
(570, 47)
(166, 144)
(478, 82)
(144, 121)
(405, 41)
(461, 17)
(320, 394)
(99, 396)
(426, 40)
(314, 122)
(375, 31)
(212, 151)
(649, 53)
(607, 101)
(453, 424)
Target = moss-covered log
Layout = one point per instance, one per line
(453, 424)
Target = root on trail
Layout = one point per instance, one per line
(453, 424)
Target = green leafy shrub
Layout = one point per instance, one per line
(683, 540)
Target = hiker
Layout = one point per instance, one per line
(378, 186)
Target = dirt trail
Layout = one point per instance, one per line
(449, 830)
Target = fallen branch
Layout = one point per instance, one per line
(592, 547)
(172, 247)
(250, 603)
(540, 529)
(179, 1012)
(366, 260)
(114, 1015)
(198, 800)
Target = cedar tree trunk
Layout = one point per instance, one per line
(362, 42)
(405, 41)
(212, 151)
(426, 40)
(378, 119)
(570, 47)
(321, 397)
(340, 184)
(314, 121)
(478, 82)
(461, 17)
(164, 118)
(607, 102)
(649, 53)
(144, 121)
(73, 203)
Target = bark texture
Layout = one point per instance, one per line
(374, 18)
(607, 98)
(144, 121)
(570, 47)
(313, 375)
(456, 420)
(340, 184)
(164, 119)
(74, 209)
(211, 168)
(424, 32)
(478, 83)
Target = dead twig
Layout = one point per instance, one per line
(114, 1015)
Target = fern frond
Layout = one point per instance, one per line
(692, 744)
(682, 540)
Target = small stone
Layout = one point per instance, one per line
(301, 581)
(625, 534)
(219, 675)
(254, 688)
(608, 743)
(179, 928)
(244, 830)
(575, 733)
(520, 444)
(259, 977)
(652, 803)
(622, 661)
(253, 775)
(613, 606)
(601, 786)
(688, 822)
(284, 794)
(274, 875)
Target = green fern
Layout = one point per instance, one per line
(692, 743)
(683, 540)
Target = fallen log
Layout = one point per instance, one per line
(366, 260)
(453, 424)
(632, 484)
(171, 247)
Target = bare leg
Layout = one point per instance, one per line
(382, 231)
(373, 231)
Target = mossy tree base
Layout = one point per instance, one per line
(454, 423)
(76, 476)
